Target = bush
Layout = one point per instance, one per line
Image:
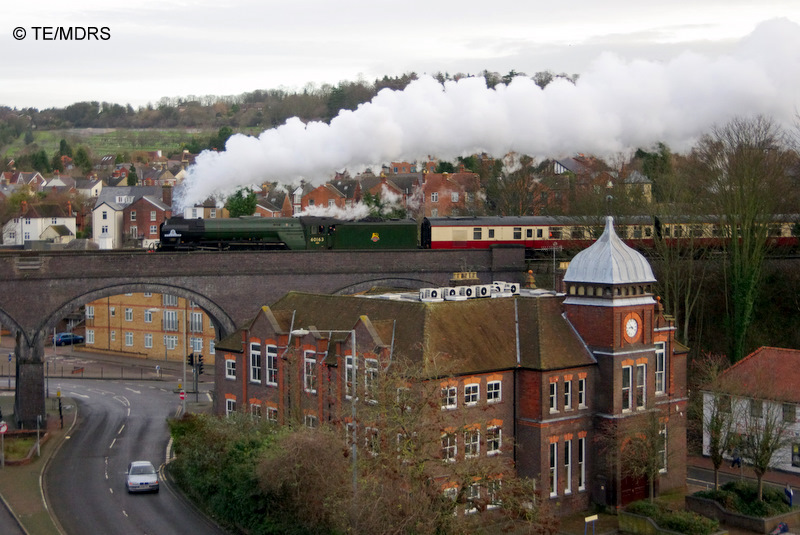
(742, 497)
(680, 521)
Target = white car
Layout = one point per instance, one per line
(141, 477)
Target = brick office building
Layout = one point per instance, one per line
(536, 375)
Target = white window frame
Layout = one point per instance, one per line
(255, 362)
(449, 447)
(272, 414)
(311, 421)
(350, 377)
(494, 440)
(435, 196)
(272, 365)
(310, 372)
(230, 407)
(370, 377)
(472, 443)
(568, 467)
(89, 312)
(641, 386)
(454, 196)
(230, 368)
(582, 393)
(661, 368)
(148, 316)
(148, 340)
(255, 411)
(553, 397)
(449, 397)
(665, 449)
(196, 343)
(128, 314)
(128, 339)
(196, 322)
(553, 469)
(581, 464)
(472, 394)
(494, 391)
(90, 336)
(627, 388)
(567, 395)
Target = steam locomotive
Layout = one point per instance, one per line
(540, 235)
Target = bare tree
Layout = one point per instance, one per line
(744, 165)
(714, 410)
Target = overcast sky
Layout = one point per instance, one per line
(176, 48)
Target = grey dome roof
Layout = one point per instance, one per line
(609, 261)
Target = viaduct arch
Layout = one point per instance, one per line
(38, 288)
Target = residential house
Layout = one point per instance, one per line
(40, 222)
(89, 188)
(760, 392)
(141, 221)
(536, 376)
(402, 189)
(446, 194)
(339, 193)
(108, 213)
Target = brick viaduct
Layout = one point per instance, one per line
(39, 288)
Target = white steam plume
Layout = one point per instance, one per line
(615, 106)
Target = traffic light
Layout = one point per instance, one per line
(190, 359)
(199, 364)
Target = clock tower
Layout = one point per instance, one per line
(609, 296)
(610, 303)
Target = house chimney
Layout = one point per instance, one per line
(166, 195)
(24, 207)
(69, 208)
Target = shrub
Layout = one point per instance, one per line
(742, 497)
(680, 521)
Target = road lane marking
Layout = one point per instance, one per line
(134, 391)
(79, 395)
(112, 443)
(123, 400)
(120, 429)
(106, 468)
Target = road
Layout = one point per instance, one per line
(119, 421)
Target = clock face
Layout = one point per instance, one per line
(631, 327)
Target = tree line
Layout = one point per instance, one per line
(262, 108)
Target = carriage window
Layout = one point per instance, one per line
(529, 233)
(577, 234)
(539, 233)
(637, 232)
(331, 230)
(491, 233)
(477, 233)
(517, 233)
(555, 234)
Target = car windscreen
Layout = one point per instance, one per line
(141, 470)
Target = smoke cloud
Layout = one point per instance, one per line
(615, 106)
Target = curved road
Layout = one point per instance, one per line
(119, 421)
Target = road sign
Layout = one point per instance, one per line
(183, 394)
(3, 427)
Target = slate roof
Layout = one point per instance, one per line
(472, 336)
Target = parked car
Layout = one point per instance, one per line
(67, 339)
(141, 477)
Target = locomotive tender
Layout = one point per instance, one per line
(540, 235)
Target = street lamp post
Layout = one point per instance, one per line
(353, 398)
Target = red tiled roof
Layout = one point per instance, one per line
(768, 373)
